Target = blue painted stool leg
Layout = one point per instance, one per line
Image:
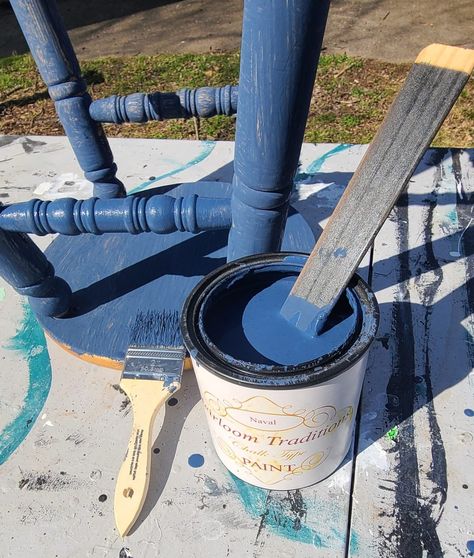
(281, 43)
(53, 53)
(134, 214)
(203, 102)
(26, 268)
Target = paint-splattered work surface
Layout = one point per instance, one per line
(406, 493)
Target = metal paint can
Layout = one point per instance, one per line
(278, 427)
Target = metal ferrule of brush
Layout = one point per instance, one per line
(164, 364)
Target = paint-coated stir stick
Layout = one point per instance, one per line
(430, 90)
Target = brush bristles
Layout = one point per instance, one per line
(153, 329)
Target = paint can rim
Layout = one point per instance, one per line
(305, 374)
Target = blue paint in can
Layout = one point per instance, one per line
(256, 331)
(253, 348)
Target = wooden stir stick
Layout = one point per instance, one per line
(430, 90)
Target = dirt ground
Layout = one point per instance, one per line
(389, 30)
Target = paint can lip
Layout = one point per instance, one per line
(275, 377)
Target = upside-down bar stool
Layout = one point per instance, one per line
(88, 286)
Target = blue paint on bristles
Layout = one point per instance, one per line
(156, 350)
(153, 328)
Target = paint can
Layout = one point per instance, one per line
(277, 426)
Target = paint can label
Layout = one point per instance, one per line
(282, 439)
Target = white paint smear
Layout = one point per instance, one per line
(65, 185)
(374, 455)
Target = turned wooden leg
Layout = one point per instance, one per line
(281, 42)
(26, 268)
(203, 102)
(52, 50)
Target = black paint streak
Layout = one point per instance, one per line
(434, 506)
(384, 340)
(283, 509)
(126, 400)
(203, 502)
(125, 403)
(7, 140)
(264, 516)
(417, 515)
(77, 439)
(118, 388)
(31, 146)
(47, 481)
(465, 211)
(405, 538)
(297, 507)
(125, 553)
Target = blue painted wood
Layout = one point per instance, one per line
(52, 50)
(28, 271)
(281, 43)
(203, 102)
(135, 214)
(114, 276)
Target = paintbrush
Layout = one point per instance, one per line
(430, 90)
(152, 373)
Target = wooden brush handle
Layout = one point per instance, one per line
(147, 397)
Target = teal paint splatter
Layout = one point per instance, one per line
(30, 343)
(453, 216)
(314, 167)
(253, 497)
(2, 294)
(278, 520)
(207, 148)
(317, 164)
(354, 544)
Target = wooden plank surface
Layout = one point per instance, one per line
(65, 425)
(415, 456)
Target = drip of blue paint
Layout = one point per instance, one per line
(30, 343)
(207, 148)
(470, 547)
(256, 332)
(469, 412)
(196, 460)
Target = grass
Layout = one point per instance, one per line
(349, 100)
